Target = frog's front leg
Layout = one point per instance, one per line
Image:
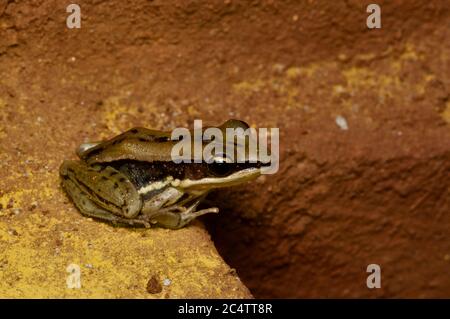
(102, 192)
(165, 211)
(190, 213)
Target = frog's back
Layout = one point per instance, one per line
(140, 144)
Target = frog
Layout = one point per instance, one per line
(132, 180)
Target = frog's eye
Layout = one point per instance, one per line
(220, 165)
(219, 169)
(218, 157)
(222, 158)
(236, 124)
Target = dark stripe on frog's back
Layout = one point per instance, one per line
(143, 173)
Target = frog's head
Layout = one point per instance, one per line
(223, 169)
(202, 177)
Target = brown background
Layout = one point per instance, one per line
(376, 193)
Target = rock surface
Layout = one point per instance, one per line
(371, 187)
(42, 252)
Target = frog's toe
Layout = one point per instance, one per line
(187, 217)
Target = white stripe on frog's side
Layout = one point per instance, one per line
(156, 185)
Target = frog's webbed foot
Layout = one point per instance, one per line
(176, 217)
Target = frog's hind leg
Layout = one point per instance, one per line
(105, 186)
(102, 192)
(88, 208)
